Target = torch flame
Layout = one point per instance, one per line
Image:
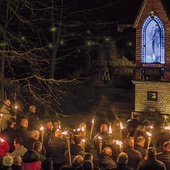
(92, 121)
(121, 125)
(110, 129)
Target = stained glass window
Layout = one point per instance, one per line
(153, 41)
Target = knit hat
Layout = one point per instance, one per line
(7, 160)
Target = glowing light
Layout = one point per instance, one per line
(92, 121)
(110, 129)
(167, 127)
(82, 128)
(99, 137)
(121, 126)
(149, 134)
(83, 140)
(2, 140)
(41, 128)
(53, 29)
(64, 132)
(118, 142)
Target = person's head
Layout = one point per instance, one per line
(56, 124)
(32, 109)
(11, 122)
(30, 156)
(7, 160)
(7, 102)
(18, 142)
(17, 160)
(49, 125)
(88, 156)
(37, 146)
(166, 146)
(47, 164)
(78, 160)
(58, 134)
(129, 141)
(24, 122)
(141, 127)
(122, 158)
(88, 165)
(107, 151)
(136, 115)
(150, 152)
(82, 125)
(34, 134)
(77, 139)
(140, 141)
(104, 128)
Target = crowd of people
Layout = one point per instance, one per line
(24, 146)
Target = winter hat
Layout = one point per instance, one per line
(7, 160)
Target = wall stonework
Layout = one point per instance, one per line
(162, 105)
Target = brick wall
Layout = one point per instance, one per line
(142, 104)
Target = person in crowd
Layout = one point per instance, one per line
(33, 118)
(122, 161)
(33, 136)
(6, 115)
(17, 163)
(133, 123)
(30, 161)
(105, 159)
(88, 165)
(161, 138)
(150, 161)
(75, 149)
(105, 137)
(22, 131)
(48, 133)
(77, 162)
(89, 157)
(4, 147)
(134, 156)
(9, 133)
(37, 146)
(7, 163)
(164, 156)
(116, 133)
(139, 145)
(56, 149)
(19, 148)
(56, 125)
(140, 131)
(47, 164)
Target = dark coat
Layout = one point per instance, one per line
(134, 156)
(141, 149)
(33, 121)
(123, 167)
(151, 164)
(56, 149)
(9, 134)
(105, 161)
(165, 158)
(22, 132)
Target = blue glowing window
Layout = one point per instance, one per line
(153, 41)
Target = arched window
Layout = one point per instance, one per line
(153, 41)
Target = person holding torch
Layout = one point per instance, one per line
(102, 139)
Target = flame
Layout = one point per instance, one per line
(121, 125)
(64, 132)
(82, 128)
(149, 134)
(167, 127)
(118, 142)
(92, 121)
(99, 137)
(83, 140)
(110, 129)
(41, 128)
